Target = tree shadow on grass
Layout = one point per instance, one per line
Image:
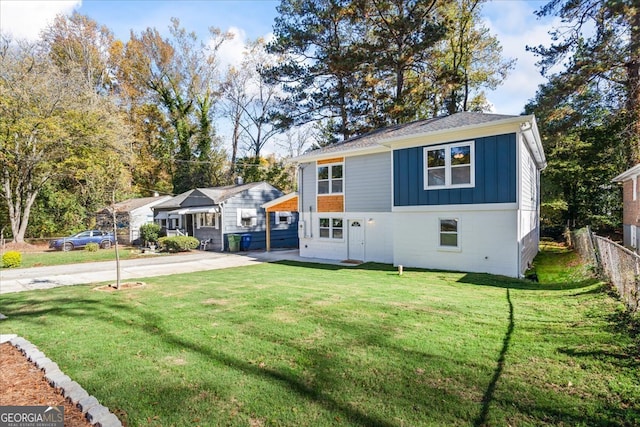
(624, 352)
(292, 383)
(488, 394)
(151, 323)
(481, 279)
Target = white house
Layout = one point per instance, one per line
(130, 215)
(459, 192)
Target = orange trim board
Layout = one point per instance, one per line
(331, 203)
(334, 160)
(289, 205)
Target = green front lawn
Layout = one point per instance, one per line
(52, 257)
(292, 344)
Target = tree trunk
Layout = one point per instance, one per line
(115, 238)
(633, 88)
(18, 209)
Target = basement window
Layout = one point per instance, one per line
(448, 233)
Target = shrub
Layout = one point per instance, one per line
(178, 243)
(11, 259)
(92, 247)
(149, 233)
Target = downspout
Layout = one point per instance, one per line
(301, 198)
(221, 226)
(521, 143)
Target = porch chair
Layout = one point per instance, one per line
(204, 243)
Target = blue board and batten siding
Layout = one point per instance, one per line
(495, 175)
(282, 236)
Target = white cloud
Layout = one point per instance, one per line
(516, 27)
(232, 51)
(26, 19)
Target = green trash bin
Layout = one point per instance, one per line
(234, 242)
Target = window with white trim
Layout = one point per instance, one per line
(331, 228)
(449, 166)
(449, 232)
(283, 218)
(330, 178)
(247, 217)
(206, 220)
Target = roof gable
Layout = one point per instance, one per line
(628, 174)
(209, 196)
(377, 137)
(130, 205)
(440, 127)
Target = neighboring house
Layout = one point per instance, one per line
(212, 214)
(630, 206)
(459, 192)
(282, 213)
(130, 215)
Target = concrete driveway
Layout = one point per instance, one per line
(26, 279)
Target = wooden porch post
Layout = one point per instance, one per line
(268, 231)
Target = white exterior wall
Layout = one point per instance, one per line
(137, 218)
(487, 239)
(528, 200)
(378, 236)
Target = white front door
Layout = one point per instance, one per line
(633, 236)
(355, 237)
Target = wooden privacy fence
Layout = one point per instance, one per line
(615, 264)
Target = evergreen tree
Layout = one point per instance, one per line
(598, 47)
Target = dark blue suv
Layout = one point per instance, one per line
(80, 240)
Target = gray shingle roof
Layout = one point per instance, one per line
(374, 138)
(220, 194)
(131, 204)
(216, 195)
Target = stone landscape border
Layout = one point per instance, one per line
(97, 414)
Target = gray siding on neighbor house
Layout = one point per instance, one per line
(209, 233)
(626, 238)
(307, 191)
(250, 199)
(368, 183)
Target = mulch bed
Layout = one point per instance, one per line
(23, 384)
(123, 286)
(25, 247)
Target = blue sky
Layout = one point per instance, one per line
(254, 17)
(512, 21)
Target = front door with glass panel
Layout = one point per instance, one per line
(355, 237)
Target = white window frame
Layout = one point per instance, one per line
(332, 228)
(453, 248)
(247, 218)
(330, 180)
(284, 217)
(448, 166)
(201, 220)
